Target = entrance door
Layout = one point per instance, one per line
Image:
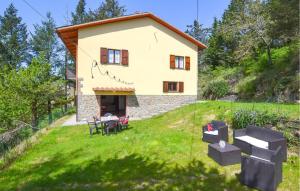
(115, 105)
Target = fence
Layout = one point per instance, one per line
(23, 131)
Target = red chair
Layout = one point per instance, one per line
(123, 122)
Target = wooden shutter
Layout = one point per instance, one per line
(181, 87)
(165, 86)
(172, 61)
(187, 63)
(125, 57)
(103, 58)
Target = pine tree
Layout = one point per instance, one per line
(13, 42)
(215, 55)
(79, 16)
(198, 32)
(108, 9)
(45, 41)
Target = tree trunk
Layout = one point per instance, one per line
(34, 116)
(269, 55)
(49, 112)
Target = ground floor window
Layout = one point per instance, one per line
(173, 87)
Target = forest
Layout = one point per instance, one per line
(252, 52)
(252, 55)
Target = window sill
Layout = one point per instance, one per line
(173, 92)
(178, 68)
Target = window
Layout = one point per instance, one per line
(113, 56)
(179, 62)
(172, 87)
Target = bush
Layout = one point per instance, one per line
(216, 89)
(244, 117)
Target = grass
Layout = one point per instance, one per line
(161, 153)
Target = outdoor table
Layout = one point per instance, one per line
(228, 155)
(109, 118)
(103, 120)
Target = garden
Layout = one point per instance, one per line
(164, 152)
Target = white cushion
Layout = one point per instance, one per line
(259, 158)
(215, 132)
(254, 141)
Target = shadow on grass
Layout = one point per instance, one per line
(132, 172)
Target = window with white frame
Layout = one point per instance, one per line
(179, 62)
(114, 56)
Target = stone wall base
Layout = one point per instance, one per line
(145, 106)
(138, 106)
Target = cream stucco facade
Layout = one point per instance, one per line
(149, 45)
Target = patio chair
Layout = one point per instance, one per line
(123, 122)
(110, 125)
(93, 125)
(262, 169)
(98, 124)
(218, 132)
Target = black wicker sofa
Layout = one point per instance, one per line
(253, 136)
(262, 169)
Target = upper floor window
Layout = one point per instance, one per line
(179, 62)
(113, 56)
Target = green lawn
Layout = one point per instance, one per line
(161, 153)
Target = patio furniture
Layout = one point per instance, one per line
(110, 125)
(253, 136)
(123, 122)
(263, 169)
(93, 125)
(228, 155)
(219, 132)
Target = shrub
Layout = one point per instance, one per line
(244, 117)
(216, 89)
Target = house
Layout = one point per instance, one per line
(136, 65)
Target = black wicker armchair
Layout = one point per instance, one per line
(262, 170)
(254, 136)
(220, 132)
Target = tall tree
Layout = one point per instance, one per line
(251, 27)
(216, 55)
(201, 34)
(13, 41)
(79, 16)
(107, 9)
(285, 17)
(198, 32)
(45, 41)
(36, 86)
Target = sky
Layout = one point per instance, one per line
(178, 13)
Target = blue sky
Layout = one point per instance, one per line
(179, 13)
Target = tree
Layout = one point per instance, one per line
(215, 54)
(285, 17)
(201, 34)
(44, 41)
(107, 9)
(79, 16)
(250, 26)
(35, 86)
(198, 32)
(13, 41)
